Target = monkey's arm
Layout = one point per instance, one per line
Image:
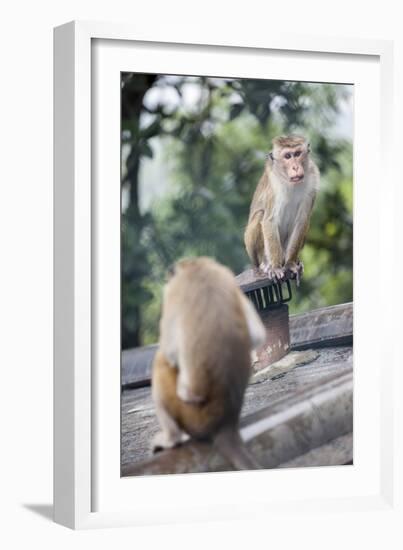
(253, 239)
(256, 329)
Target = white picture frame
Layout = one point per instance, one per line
(88, 491)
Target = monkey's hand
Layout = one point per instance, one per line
(189, 391)
(164, 440)
(274, 273)
(294, 270)
(186, 395)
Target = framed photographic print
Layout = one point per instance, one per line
(163, 149)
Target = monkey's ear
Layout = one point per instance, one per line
(308, 148)
(270, 157)
(170, 271)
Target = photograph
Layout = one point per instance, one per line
(236, 274)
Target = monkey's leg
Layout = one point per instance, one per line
(164, 380)
(293, 266)
(273, 251)
(171, 435)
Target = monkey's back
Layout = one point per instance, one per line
(214, 347)
(261, 197)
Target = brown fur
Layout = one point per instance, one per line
(203, 364)
(288, 141)
(281, 207)
(200, 421)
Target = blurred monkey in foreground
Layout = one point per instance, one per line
(207, 331)
(281, 209)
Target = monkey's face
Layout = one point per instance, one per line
(292, 163)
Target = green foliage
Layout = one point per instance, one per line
(214, 152)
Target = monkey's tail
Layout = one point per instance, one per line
(230, 445)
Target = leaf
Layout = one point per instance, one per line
(236, 110)
(146, 150)
(152, 130)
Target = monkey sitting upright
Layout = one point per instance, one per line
(207, 331)
(281, 209)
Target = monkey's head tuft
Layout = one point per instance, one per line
(292, 140)
(192, 263)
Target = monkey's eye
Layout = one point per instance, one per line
(287, 156)
(297, 154)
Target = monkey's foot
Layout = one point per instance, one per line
(294, 270)
(275, 274)
(163, 440)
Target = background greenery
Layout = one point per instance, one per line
(193, 149)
